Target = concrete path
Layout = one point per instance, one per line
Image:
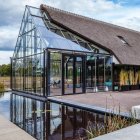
(9, 131)
(129, 133)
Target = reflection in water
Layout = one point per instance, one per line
(5, 104)
(52, 121)
(1, 94)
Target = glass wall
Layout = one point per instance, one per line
(79, 74)
(55, 83)
(73, 73)
(108, 73)
(68, 74)
(98, 73)
(28, 74)
(91, 74)
(28, 58)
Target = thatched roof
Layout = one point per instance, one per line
(103, 34)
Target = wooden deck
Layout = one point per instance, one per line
(114, 101)
(9, 131)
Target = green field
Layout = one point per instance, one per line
(5, 81)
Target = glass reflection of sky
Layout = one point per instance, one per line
(53, 40)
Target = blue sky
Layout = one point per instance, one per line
(120, 12)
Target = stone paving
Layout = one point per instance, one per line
(9, 131)
(129, 133)
(116, 101)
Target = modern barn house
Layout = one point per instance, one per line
(60, 53)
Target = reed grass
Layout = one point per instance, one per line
(112, 122)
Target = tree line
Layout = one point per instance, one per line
(5, 70)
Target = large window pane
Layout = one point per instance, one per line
(55, 74)
(108, 73)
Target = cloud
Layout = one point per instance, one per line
(11, 13)
(85, 7)
(124, 13)
(5, 57)
(8, 36)
(128, 17)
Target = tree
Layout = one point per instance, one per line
(5, 70)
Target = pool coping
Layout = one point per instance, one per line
(83, 106)
(88, 107)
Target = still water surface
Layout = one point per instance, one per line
(5, 104)
(48, 120)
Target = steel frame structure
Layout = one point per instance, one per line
(30, 63)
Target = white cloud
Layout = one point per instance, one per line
(8, 36)
(86, 7)
(104, 10)
(125, 16)
(5, 57)
(11, 13)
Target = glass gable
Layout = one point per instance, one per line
(55, 41)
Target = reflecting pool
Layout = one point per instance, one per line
(5, 104)
(52, 121)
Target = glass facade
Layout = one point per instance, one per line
(73, 73)
(27, 74)
(99, 73)
(55, 83)
(49, 60)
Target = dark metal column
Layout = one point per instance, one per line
(44, 120)
(24, 62)
(24, 113)
(35, 63)
(48, 120)
(34, 109)
(63, 122)
(74, 74)
(84, 74)
(97, 71)
(63, 73)
(44, 73)
(74, 122)
(47, 72)
(15, 109)
(11, 107)
(112, 76)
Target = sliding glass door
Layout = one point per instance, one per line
(78, 74)
(91, 74)
(72, 73)
(68, 74)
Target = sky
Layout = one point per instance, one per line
(120, 12)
